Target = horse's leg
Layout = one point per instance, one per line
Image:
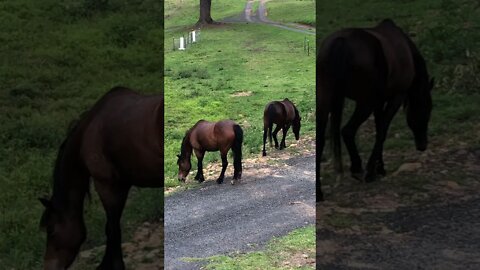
(223, 154)
(322, 120)
(265, 131)
(284, 130)
(270, 128)
(277, 129)
(383, 118)
(199, 177)
(113, 197)
(349, 131)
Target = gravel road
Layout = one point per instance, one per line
(220, 219)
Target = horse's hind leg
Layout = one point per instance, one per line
(277, 129)
(113, 197)
(349, 131)
(199, 177)
(284, 131)
(224, 166)
(265, 131)
(383, 118)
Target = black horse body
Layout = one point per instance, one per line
(380, 69)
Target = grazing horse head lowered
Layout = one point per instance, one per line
(119, 144)
(211, 136)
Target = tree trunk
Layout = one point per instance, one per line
(205, 17)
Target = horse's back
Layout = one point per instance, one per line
(124, 137)
(210, 136)
(398, 55)
(378, 58)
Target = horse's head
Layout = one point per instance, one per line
(418, 107)
(296, 124)
(184, 166)
(65, 235)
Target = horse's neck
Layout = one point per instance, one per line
(71, 181)
(187, 146)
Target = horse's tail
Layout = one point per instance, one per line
(237, 148)
(338, 63)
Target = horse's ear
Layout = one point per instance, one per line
(432, 82)
(46, 202)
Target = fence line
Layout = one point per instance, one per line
(186, 40)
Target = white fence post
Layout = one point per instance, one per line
(182, 44)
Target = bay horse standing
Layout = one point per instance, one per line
(211, 136)
(284, 114)
(119, 144)
(380, 68)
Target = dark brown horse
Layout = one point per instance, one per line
(284, 114)
(211, 136)
(119, 144)
(380, 69)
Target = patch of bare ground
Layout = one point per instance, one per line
(299, 259)
(144, 251)
(242, 94)
(425, 209)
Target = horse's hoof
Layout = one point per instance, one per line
(358, 176)
(232, 182)
(264, 154)
(200, 180)
(219, 181)
(370, 177)
(381, 171)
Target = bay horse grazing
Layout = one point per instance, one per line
(284, 114)
(119, 144)
(211, 136)
(380, 68)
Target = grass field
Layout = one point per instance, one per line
(232, 73)
(292, 11)
(58, 58)
(293, 251)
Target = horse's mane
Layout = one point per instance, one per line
(58, 195)
(421, 72)
(187, 136)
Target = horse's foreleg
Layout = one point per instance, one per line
(113, 197)
(284, 131)
(349, 131)
(224, 167)
(277, 129)
(383, 118)
(199, 177)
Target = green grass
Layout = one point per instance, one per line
(201, 81)
(292, 11)
(446, 33)
(58, 58)
(185, 13)
(277, 251)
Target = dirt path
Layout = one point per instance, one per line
(426, 215)
(271, 200)
(249, 16)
